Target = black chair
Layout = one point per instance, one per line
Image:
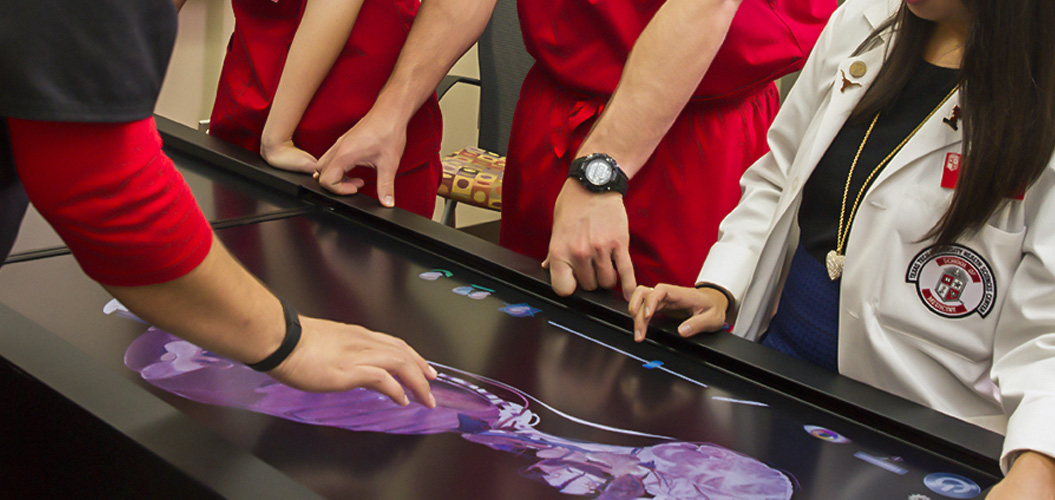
(473, 175)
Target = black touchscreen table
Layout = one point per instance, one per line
(538, 398)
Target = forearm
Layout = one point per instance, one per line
(664, 68)
(218, 306)
(321, 35)
(1032, 476)
(443, 30)
(1036, 465)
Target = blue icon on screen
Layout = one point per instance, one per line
(520, 310)
(435, 274)
(951, 485)
(475, 292)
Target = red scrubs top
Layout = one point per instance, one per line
(677, 200)
(256, 54)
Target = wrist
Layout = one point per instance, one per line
(598, 142)
(1035, 464)
(270, 142)
(572, 187)
(729, 301)
(290, 339)
(396, 104)
(383, 124)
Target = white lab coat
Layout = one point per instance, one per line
(982, 369)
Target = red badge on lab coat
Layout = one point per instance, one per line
(951, 171)
(950, 174)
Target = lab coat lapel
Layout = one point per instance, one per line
(846, 91)
(848, 87)
(935, 135)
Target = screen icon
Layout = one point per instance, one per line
(825, 434)
(951, 485)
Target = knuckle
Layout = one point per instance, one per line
(408, 364)
(581, 251)
(376, 378)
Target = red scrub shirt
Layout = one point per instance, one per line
(677, 200)
(113, 196)
(256, 54)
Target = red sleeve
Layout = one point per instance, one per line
(113, 196)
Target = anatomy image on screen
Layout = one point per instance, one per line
(481, 410)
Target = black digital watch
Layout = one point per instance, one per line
(599, 173)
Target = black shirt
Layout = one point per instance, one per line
(822, 195)
(79, 61)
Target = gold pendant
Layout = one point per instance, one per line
(834, 263)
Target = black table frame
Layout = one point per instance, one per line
(34, 354)
(909, 421)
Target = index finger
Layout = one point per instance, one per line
(645, 311)
(386, 185)
(637, 298)
(625, 266)
(410, 374)
(418, 383)
(402, 345)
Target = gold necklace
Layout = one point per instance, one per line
(835, 258)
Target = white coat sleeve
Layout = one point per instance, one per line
(1024, 345)
(744, 231)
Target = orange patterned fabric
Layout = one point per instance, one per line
(473, 176)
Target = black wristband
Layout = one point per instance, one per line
(728, 296)
(288, 343)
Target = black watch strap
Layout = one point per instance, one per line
(619, 181)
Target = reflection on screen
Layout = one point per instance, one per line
(480, 410)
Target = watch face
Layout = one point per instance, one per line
(598, 172)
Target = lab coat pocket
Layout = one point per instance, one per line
(945, 301)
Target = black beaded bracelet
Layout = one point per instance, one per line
(288, 342)
(728, 296)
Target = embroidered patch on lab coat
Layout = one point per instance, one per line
(953, 281)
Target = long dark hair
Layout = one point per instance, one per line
(1007, 83)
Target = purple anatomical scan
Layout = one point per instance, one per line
(480, 410)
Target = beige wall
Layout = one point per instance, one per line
(187, 94)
